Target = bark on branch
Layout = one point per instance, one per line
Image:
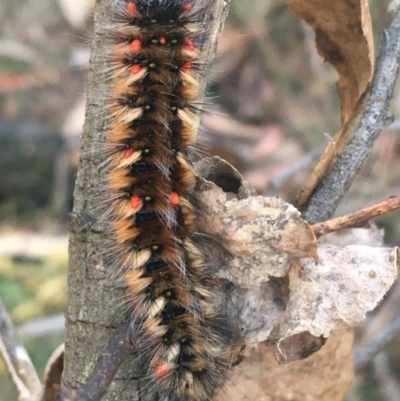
(373, 119)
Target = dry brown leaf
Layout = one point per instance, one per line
(268, 233)
(323, 376)
(322, 299)
(267, 237)
(347, 283)
(343, 32)
(52, 374)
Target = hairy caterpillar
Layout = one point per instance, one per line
(156, 80)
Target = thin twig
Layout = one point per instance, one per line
(119, 349)
(17, 360)
(357, 219)
(42, 327)
(366, 353)
(300, 165)
(374, 118)
(388, 385)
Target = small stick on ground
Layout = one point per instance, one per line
(357, 219)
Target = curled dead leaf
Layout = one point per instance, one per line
(343, 31)
(52, 374)
(266, 233)
(323, 376)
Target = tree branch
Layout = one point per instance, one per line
(387, 334)
(17, 360)
(374, 118)
(387, 382)
(118, 350)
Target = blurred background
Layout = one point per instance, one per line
(276, 108)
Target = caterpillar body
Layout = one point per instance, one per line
(156, 80)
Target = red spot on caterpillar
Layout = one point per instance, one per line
(136, 45)
(132, 8)
(163, 41)
(174, 198)
(128, 153)
(187, 7)
(189, 44)
(136, 68)
(187, 66)
(135, 202)
(161, 369)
